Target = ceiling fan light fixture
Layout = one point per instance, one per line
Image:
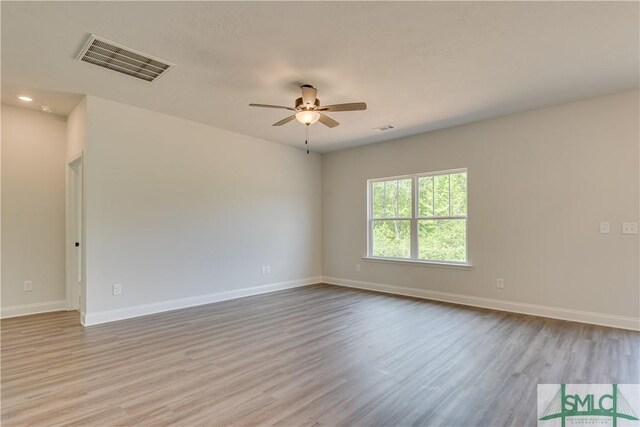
(308, 109)
(307, 117)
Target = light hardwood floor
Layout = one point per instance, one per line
(318, 355)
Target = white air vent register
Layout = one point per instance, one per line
(113, 56)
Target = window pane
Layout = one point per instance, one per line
(425, 195)
(442, 239)
(441, 196)
(392, 238)
(459, 193)
(391, 199)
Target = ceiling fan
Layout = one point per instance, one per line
(308, 109)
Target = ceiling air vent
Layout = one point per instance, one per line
(383, 128)
(113, 56)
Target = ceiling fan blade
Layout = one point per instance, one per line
(353, 106)
(309, 94)
(327, 121)
(284, 121)
(271, 106)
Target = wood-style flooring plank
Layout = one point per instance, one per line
(319, 355)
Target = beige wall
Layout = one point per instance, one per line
(539, 185)
(33, 208)
(176, 209)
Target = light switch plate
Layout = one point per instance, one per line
(604, 228)
(117, 289)
(629, 228)
(28, 286)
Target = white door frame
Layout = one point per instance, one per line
(75, 231)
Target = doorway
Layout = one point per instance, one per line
(75, 228)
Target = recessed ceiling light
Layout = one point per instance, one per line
(25, 98)
(47, 109)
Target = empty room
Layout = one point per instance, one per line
(320, 213)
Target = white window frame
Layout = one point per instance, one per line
(414, 252)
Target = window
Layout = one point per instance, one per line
(419, 217)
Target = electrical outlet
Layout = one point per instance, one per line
(500, 283)
(117, 289)
(629, 228)
(604, 228)
(28, 286)
(357, 267)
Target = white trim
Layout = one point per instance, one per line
(35, 308)
(442, 172)
(72, 276)
(75, 158)
(96, 318)
(452, 264)
(611, 320)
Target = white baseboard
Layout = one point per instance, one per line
(97, 318)
(35, 308)
(602, 319)
(88, 319)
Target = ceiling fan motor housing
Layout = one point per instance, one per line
(300, 103)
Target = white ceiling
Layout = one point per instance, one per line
(419, 66)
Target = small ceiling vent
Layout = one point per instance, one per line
(383, 128)
(113, 56)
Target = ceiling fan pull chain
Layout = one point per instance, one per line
(306, 140)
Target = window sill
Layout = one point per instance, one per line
(459, 265)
